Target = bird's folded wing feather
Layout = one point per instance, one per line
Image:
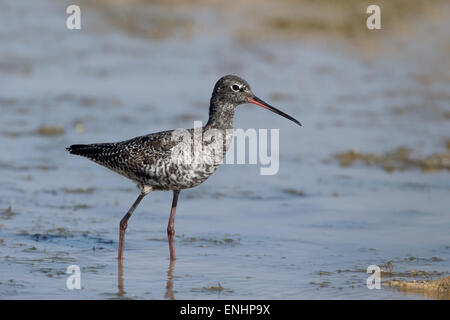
(133, 154)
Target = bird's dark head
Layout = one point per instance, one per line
(231, 91)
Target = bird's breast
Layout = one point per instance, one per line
(191, 161)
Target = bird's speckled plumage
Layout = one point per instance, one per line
(148, 160)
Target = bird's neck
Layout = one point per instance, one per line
(221, 114)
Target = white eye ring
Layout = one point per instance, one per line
(235, 87)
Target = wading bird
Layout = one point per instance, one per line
(150, 162)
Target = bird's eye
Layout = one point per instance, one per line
(235, 87)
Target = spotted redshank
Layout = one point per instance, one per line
(150, 162)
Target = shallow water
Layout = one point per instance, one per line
(310, 231)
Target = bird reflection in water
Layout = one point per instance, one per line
(121, 291)
(169, 285)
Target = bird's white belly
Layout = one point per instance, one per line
(190, 163)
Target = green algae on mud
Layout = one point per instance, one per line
(294, 192)
(78, 190)
(287, 19)
(399, 159)
(389, 270)
(212, 289)
(7, 213)
(435, 289)
(230, 240)
(50, 130)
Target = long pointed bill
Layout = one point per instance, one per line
(267, 106)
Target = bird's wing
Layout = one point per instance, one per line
(131, 155)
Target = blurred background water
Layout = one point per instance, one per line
(364, 182)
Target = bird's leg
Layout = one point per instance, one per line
(170, 226)
(124, 223)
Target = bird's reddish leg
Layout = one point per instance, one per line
(170, 226)
(124, 223)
